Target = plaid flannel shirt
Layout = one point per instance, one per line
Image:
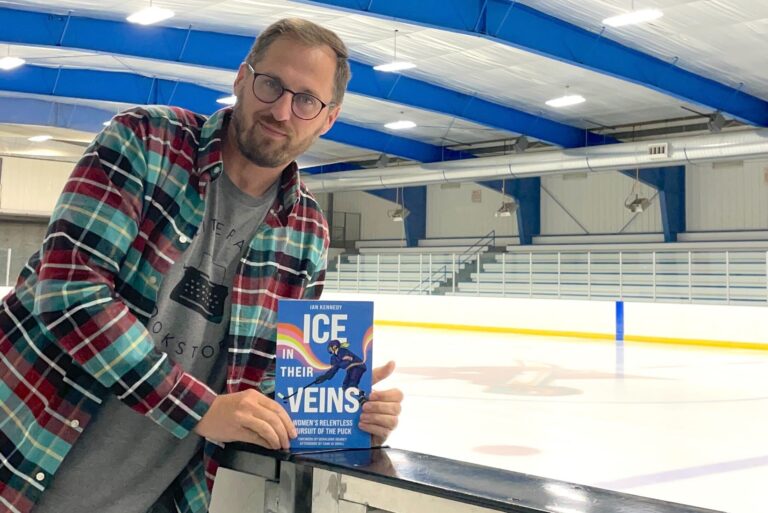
(74, 328)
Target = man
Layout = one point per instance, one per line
(142, 334)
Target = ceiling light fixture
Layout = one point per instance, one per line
(403, 124)
(633, 18)
(638, 203)
(40, 138)
(395, 65)
(227, 100)
(150, 15)
(566, 101)
(400, 213)
(507, 208)
(9, 63)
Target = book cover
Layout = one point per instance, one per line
(323, 370)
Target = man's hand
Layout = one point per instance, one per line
(381, 411)
(247, 416)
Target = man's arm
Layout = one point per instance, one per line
(93, 226)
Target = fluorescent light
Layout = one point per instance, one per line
(394, 66)
(227, 100)
(400, 125)
(150, 15)
(633, 18)
(9, 63)
(566, 101)
(40, 138)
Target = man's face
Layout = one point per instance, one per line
(269, 134)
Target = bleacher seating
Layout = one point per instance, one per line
(588, 267)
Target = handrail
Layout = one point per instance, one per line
(491, 236)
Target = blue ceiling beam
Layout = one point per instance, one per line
(28, 111)
(513, 23)
(135, 89)
(227, 51)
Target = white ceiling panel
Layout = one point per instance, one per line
(433, 128)
(721, 39)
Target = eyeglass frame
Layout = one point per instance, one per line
(323, 105)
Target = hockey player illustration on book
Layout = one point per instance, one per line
(342, 358)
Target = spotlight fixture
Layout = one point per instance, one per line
(227, 100)
(150, 15)
(633, 18)
(506, 209)
(521, 144)
(716, 122)
(383, 160)
(8, 63)
(638, 203)
(395, 65)
(400, 213)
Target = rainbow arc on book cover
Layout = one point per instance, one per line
(323, 370)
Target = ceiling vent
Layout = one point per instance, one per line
(658, 151)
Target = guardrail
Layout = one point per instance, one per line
(692, 276)
(252, 479)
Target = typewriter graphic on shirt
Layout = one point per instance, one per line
(200, 292)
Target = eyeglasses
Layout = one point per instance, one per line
(268, 89)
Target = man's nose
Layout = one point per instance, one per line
(281, 109)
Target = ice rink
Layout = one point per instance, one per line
(683, 424)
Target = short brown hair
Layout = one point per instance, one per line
(310, 34)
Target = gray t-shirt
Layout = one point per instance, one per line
(123, 462)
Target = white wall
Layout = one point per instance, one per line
(683, 323)
(596, 200)
(31, 186)
(375, 224)
(460, 216)
(727, 196)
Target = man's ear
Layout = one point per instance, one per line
(331, 119)
(242, 74)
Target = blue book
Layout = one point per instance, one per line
(323, 370)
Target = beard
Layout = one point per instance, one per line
(262, 150)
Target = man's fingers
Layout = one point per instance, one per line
(387, 408)
(277, 425)
(380, 373)
(257, 428)
(377, 431)
(376, 419)
(393, 395)
(284, 418)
